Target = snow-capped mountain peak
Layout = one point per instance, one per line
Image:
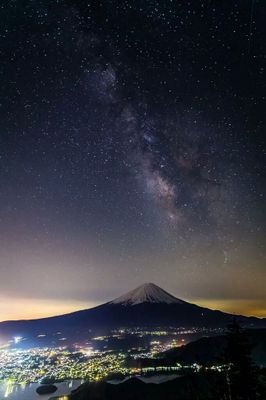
(147, 293)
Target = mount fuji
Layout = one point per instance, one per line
(146, 306)
(147, 293)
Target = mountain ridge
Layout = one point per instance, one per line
(146, 306)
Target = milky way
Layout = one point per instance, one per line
(132, 149)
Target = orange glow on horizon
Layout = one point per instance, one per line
(24, 308)
(255, 308)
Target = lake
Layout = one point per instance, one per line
(12, 391)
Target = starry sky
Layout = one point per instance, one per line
(132, 150)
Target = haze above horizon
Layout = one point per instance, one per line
(44, 309)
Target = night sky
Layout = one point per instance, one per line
(132, 150)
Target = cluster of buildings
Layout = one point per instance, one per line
(25, 366)
(101, 357)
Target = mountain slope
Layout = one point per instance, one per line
(147, 293)
(148, 305)
(209, 350)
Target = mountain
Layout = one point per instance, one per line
(147, 305)
(147, 293)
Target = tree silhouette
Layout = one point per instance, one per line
(242, 374)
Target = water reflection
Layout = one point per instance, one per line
(12, 391)
(9, 389)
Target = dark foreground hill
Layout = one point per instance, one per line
(198, 386)
(209, 350)
(145, 306)
(185, 388)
